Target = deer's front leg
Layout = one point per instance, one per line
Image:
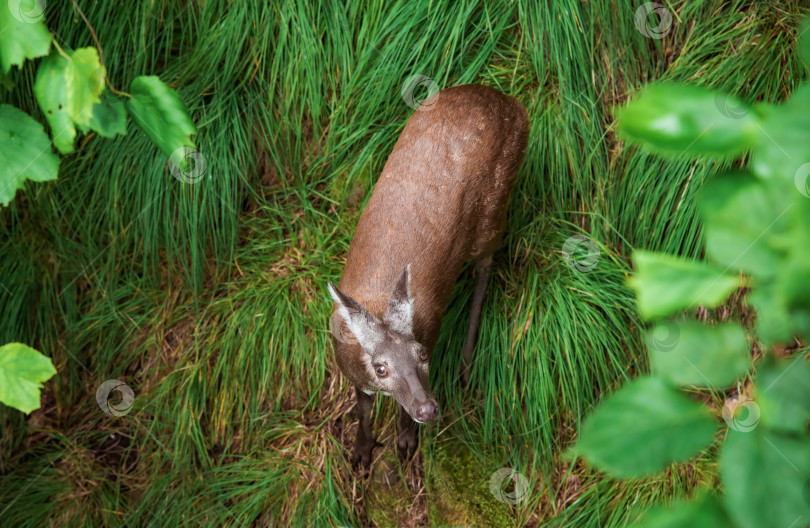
(407, 437)
(364, 443)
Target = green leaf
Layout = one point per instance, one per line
(67, 90)
(159, 112)
(693, 353)
(745, 223)
(800, 318)
(23, 370)
(23, 34)
(783, 393)
(705, 512)
(781, 150)
(25, 152)
(51, 93)
(85, 82)
(792, 283)
(773, 316)
(643, 428)
(764, 475)
(109, 117)
(688, 120)
(665, 284)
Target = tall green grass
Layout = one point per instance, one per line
(209, 300)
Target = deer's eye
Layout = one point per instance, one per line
(381, 371)
(423, 354)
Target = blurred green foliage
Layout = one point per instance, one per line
(757, 225)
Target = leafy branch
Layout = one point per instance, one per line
(756, 225)
(71, 90)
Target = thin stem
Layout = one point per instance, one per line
(100, 51)
(59, 49)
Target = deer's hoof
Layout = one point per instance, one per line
(464, 375)
(363, 451)
(407, 441)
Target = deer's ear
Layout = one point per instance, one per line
(366, 329)
(399, 315)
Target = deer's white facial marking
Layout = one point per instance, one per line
(365, 327)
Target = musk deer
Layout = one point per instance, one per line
(439, 202)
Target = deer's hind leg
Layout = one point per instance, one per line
(483, 267)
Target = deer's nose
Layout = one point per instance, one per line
(427, 412)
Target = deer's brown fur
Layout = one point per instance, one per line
(439, 202)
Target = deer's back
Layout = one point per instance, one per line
(439, 202)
